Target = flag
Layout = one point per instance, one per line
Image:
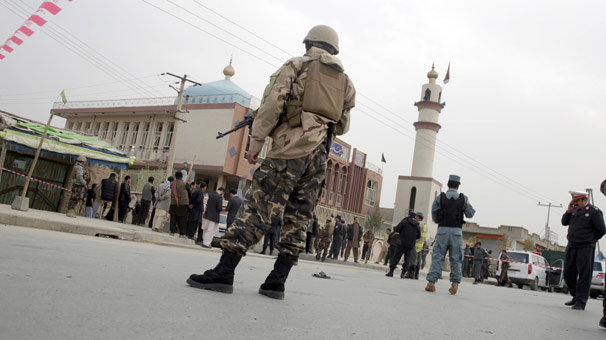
(383, 158)
(63, 99)
(447, 78)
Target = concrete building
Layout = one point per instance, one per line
(418, 191)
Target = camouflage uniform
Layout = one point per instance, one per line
(292, 175)
(79, 183)
(324, 239)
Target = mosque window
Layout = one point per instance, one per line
(413, 197)
(439, 96)
(427, 95)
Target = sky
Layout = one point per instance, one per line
(523, 121)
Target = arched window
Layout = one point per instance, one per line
(439, 96)
(427, 95)
(413, 197)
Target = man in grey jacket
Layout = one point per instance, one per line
(146, 199)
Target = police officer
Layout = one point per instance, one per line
(447, 211)
(409, 232)
(79, 186)
(337, 238)
(306, 102)
(415, 268)
(585, 227)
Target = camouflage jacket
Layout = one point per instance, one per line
(287, 142)
(80, 175)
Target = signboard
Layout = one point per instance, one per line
(359, 158)
(340, 151)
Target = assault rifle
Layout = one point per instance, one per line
(248, 121)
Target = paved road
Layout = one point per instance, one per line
(64, 286)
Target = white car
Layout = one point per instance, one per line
(597, 279)
(526, 268)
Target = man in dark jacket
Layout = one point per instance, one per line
(585, 227)
(210, 226)
(393, 240)
(124, 199)
(196, 205)
(409, 231)
(233, 205)
(272, 234)
(109, 190)
(200, 232)
(312, 231)
(179, 201)
(337, 238)
(354, 236)
(147, 197)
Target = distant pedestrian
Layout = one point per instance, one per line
(109, 191)
(479, 256)
(394, 241)
(210, 224)
(233, 205)
(79, 186)
(147, 196)
(312, 230)
(466, 260)
(196, 206)
(409, 231)
(200, 232)
(272, 234)
(124, 199)
(447, 211)
(179, 201)
(91, 195)
(324, 239)
(585, 227)
(354, 236)
(384, 248)
(369, 239)
(337, 238)
(162, 205)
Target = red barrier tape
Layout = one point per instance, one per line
(36, 180)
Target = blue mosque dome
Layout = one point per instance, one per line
(216, 92)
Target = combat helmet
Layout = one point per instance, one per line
(325, 34)
(81, 158)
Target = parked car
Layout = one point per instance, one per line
(597, 279)
(527, 269)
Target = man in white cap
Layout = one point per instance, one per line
(79, 186)
(447, 211)
(585, 227)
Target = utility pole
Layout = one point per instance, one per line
(171, 151)
(547, 228)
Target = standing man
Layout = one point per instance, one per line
(162, 204)
(354, 236)
(272, 234)
(146, 199)
(79, 186)
(415, 267)
(306, 103)
(210, 226)
(479, 256)
(384, 247)
(466, 258)
(312, 231)
(109, 190)
(91, 195)
(200, 232)
(409, 232)
(337, 238)
(179, 201)
(233, 205)
(124, 199)
(394, 242)
(585, 227)
(196, 205)
(369, 239)
(447, 211)
(504, 276)
(324, 238)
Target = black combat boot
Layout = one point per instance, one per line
(390, 273)
(219, 279)
(274, 284)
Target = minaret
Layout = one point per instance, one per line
(427, 127)
(418, 191)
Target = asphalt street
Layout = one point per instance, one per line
(56, 285)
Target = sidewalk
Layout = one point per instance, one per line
(40, 219)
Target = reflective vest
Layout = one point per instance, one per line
(421, 240)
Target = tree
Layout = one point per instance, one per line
(374, 222)
(529, 245)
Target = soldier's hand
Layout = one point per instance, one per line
(252, 157)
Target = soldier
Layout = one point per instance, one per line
(324, 238)
(447, 211)
(479, 256)
(585, 227)
(307, 101)
(504, 276)
(79, 186)
(415, 268)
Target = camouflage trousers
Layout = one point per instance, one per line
(323, 246)
(78, 192)
(292, 185)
